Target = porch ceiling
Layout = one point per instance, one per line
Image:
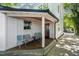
(33, 18)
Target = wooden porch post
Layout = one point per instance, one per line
(43, 31)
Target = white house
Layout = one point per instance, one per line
(16, 21)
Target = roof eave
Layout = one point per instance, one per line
(29, 10)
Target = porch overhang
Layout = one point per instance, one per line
(13, 12)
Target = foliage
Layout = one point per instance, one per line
(67, 5)
(43, 7)
(71, 20)
(8, 4)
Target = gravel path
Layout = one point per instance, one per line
(68, 45)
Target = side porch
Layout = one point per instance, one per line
(39, 35)
(32, 30)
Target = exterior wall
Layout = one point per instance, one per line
(15, 26)
(51, 28)
(2, 32)
(11, 32)
(35, 27)
(59, 25)
(54, 8)
(57, 10)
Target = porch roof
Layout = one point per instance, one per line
(4, 8)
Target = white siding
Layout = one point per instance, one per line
(53, 7)
(35, 27)
(2, 32)
(51, 28)
(15, 27)
(59, 25)
(11, 32)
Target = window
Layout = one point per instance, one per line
(27, 25)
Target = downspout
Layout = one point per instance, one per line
(55, 32)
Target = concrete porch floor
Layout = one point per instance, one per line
(35, 44)
(30, 51)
